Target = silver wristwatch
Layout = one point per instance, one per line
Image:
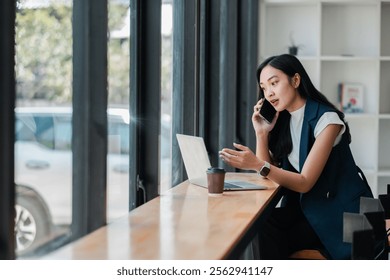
(265, 169)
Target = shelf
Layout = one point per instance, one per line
(351, 71)
(384, 116)
(384, 172)
(290, 2)
(360, 116)
(348, 58)
(307, 58)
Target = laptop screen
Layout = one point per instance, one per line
(195, 158)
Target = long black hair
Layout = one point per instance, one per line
(280, 142)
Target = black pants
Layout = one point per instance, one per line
(285, 232)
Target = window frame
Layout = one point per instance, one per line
(89, 119)
(145, 100)
(7, 129)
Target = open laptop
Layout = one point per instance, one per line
(196, 162)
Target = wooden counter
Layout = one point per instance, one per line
(182, 223)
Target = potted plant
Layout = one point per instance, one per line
(293, 48)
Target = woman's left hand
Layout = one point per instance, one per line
(242, 158)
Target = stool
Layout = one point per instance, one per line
(307, 254)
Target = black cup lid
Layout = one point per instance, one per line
(215, 170)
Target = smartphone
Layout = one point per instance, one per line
(267, 111)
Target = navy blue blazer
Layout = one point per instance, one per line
(337, 190)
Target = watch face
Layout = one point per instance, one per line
(264, 171)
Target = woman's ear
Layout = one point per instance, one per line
(296, 80)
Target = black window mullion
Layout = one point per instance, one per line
(209, 75)
(135, 64)
(185, 96)
(145, 98)
(89, 115)
(227, 75)
(202, 35)
(7, 129)
(247, 64)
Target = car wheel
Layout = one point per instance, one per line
(32, 224)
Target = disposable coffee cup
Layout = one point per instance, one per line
(215, 180)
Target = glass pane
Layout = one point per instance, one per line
(43, 155)
(166, 96)
(118, 114)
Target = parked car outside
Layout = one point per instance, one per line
(43, 173)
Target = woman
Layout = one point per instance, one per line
(306, 150)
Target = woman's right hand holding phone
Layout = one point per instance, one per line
(259, 124)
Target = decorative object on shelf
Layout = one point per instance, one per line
(293, 48)
(351, 97)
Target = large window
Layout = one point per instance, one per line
(43, 155)
(166, 96)
(118, 113)
(43, 147)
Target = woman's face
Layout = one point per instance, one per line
(279, 90)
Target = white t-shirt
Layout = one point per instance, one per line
(296, 122)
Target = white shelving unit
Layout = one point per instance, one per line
(341, 41)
